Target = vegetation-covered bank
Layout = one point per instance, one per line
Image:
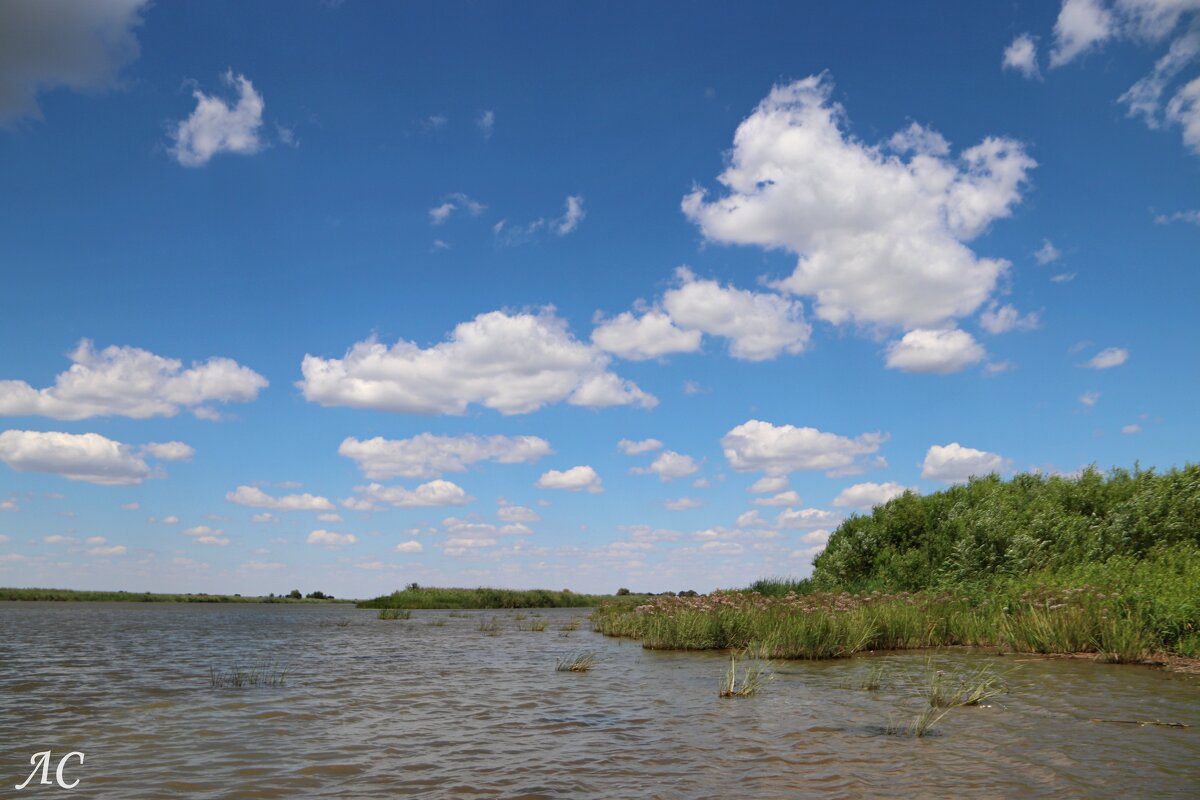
(150, 597)
(1105, 565)
(431, 597)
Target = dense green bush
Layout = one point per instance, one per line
(990, 528)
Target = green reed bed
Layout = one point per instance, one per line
(820, 625)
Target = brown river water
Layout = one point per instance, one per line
(418, 708)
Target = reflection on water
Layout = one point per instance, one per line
(434, 707)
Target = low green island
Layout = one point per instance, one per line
(419, 597)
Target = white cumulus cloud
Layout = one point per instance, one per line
(869, 495)
(788, 498)
(1001, 319)
(935, 351)
(427, 455)
(202, 534)
(255, 497)
(87, 457)
(768, 484)
(803, 518)
(513, 363)
(1081, 25)
(433, 494)
(575, 479)
(1021, 56)
(130, 382)
(682, 504)
(215, 126)
(668, 466)
(757, 446)
(758, 325)
(634, 448)
(954, 463)
(652, 335)
(1047, 253)
(331, 539)
(1184, 110)
(169, 451)
(880, 237)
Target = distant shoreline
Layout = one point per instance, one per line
(86, 596)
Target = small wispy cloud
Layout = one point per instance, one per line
(486, 122)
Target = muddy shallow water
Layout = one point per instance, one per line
(434, 707)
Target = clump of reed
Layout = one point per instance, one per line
(921, 724)
(489, 625)
(536, 625)
(570, 626)
(261, 674)
(943, 690)
(575, 662)
(340, 623)
(394, 613)
(872, 680)
(437, 622)
(752, 679)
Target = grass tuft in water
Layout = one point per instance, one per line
(943, 690)
(490, 625)
(237, 677)
(753, 678)
(922, 723)
(394, 613)
(537, 625)
(576, 662)
(873, 680)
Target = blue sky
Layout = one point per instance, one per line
(348, 295)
